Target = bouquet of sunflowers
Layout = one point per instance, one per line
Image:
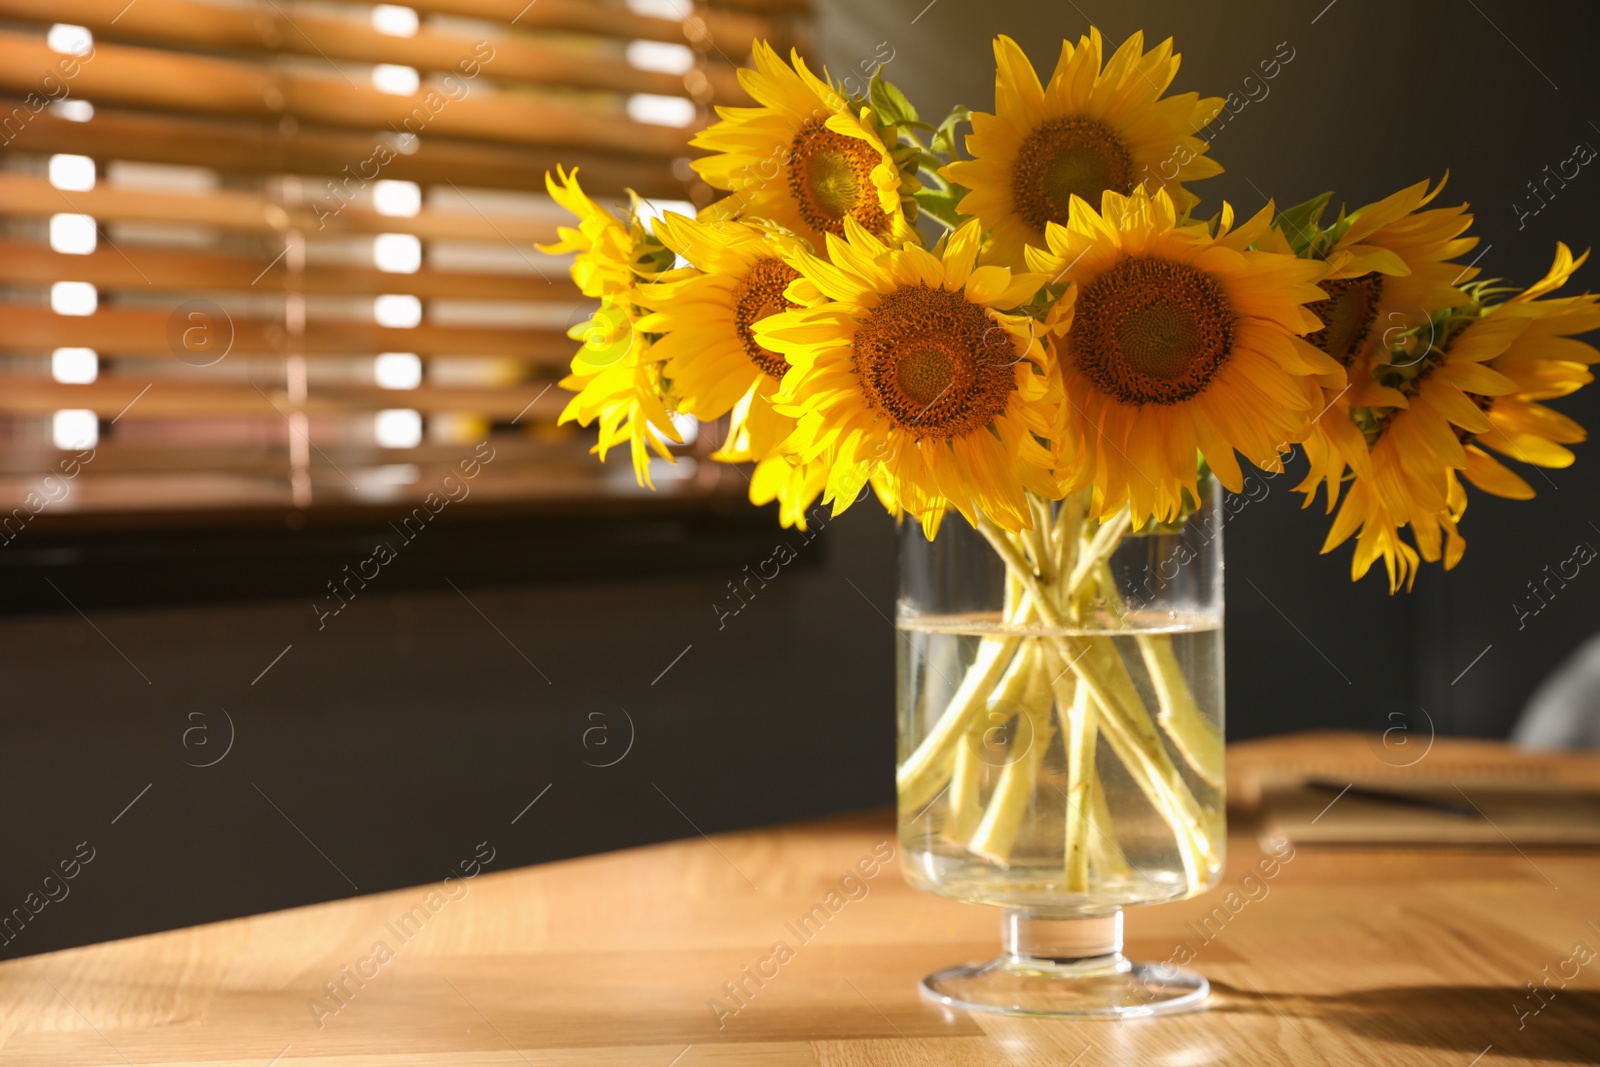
(1042, 334)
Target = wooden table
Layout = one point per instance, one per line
(1349, 957)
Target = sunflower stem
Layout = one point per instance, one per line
(996, 833)
(1197, 741)
(966, 781)
(1099, 549)
(928, 768)
(1105, 855)
(1186, 726)
(1133, 736)
(1081, 782)
(1127, 723)
(1041, 541)
(1064, 532)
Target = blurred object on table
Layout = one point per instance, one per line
(1360, 790)
(1564, 712)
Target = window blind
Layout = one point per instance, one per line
(278, 255)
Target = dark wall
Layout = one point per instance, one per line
(382, 748)
(379, 751)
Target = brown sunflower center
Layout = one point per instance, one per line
(1347, 315)
(1151, 331)
(925, 373)
(758, 295)
(1067, 157)
(830, 176)
(934, 363)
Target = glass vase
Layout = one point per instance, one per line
(1060, 745)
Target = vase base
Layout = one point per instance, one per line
(1106, 988)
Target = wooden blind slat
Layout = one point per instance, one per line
(764, 7)
(196, 23)
(252, 213)
(109, 397)
(161, 270)
(145, 334)
(214, 494)
(147, 77)
(140, 458)
(277, 147)
(730, 32)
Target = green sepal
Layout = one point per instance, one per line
(1044, 300)
(931, 164)
(1331, 235)
(944, 138)
(903, 154)
(1301, 225)
(889, 102)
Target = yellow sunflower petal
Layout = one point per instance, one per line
(1492, 476)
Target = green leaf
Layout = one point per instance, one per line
(1302, 224)
(890, 103)
(942, 205)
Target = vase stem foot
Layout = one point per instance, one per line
(1070, 967)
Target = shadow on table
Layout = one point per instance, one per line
(1462, 1018)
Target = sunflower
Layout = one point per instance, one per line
(1091, 129)
(804, 159)
(709, 354)
(908, 369)
(1543, 362)
(1182, 340)
(1390, 271)
(608, 256)
(703, 324)
(618, 381)
(1417, 411)
(1431, 416)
